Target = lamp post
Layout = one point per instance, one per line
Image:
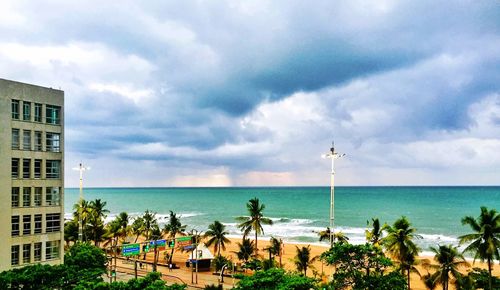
(332, 154)
(196, 257)
(80, 168)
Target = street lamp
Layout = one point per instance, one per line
(81, 168)
(332, 155)
(196, 255)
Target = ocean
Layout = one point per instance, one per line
(300, 212)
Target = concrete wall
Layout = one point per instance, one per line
(34, 94)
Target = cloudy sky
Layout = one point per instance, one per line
(245, 93)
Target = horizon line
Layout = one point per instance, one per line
(283, 186)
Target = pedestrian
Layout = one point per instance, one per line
(170, 267)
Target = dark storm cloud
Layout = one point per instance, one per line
(184, 77)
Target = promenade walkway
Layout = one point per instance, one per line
(183, 275)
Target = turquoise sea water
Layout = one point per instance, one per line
(300, 212)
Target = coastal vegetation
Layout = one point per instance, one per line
(385, 261)
(254, 221)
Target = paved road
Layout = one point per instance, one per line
(183, 275)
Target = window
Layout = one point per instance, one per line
(26, 196)
(15, 138)
(52, 114)
(38, 168)
(52, 250)
(37, 249)
(14, 255)
(53, 169)
(53, 222)
(15, 168)
(15, 109)
(26, 139)
(26, 111)
(38, 196)
(15, 225)
(52, 142)
(52, 196)
(38, 224)
(26, 253)
(38, 141)
(27, 224)
(26, 168)
(38, 112)
(15, 197)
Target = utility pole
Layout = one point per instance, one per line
(332, 154)
(80, 168)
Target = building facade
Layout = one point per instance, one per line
(31, 175)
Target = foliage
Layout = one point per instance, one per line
(83, 263)
(172, 228)
(484, 243)
(275, 249)
(246, 250)
(399, 244)
(448, 260)
(217, 236)
(303, 259)
(374, 235)
(254, 264)
(481, 278)
(338, 236)
(254, 221)
(152, 281)
(219, 261)
(276, 279)
(360, 267)
(71, 231)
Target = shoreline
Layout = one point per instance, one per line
(316, 250)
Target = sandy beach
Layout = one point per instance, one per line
(319, 267)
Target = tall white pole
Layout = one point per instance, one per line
(80, 168)
(80, 219)
(332, 155)
(332, 203)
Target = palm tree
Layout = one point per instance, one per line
(399, 244)
(137, 227)
(374, 235)
(303, 259)
(217, 237)
(149, 222)
(429, 281)
(98, 208)
(485, 241)
(172, 228)
(71, 231)
(339, 236)
(123, 221)
(81, 213)
(95, 220)
(246, 250)
(275, 248)
(254, 221)
(448, 260)
(156, 234)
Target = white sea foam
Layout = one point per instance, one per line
(296, 230)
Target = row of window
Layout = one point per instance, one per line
(52, 224)
(52, 249)
(52, 168)
(52, 140)
(52, 113)
(52, 196)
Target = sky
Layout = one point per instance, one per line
(252, 93)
